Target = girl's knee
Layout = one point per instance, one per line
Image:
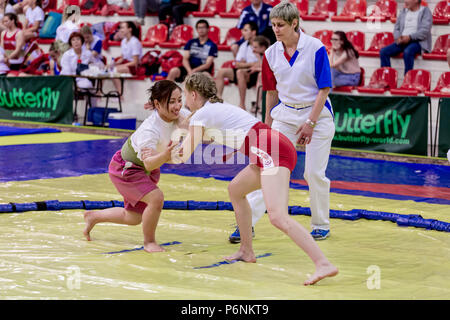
(278, 220)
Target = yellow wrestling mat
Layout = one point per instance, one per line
(43, 255)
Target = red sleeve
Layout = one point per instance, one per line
(269, 82)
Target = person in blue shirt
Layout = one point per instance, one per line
(258, 12)
(199, 54)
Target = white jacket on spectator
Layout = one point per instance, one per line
(69, 62)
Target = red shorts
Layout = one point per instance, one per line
(269, 148)
(132, 182)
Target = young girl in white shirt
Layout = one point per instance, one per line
(134, 170)
(272, 159)
(34, 19)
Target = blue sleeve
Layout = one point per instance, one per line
(98, 46)
(322, 69)
(188, 45)
(213, 50)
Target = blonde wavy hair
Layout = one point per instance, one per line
(203, 84)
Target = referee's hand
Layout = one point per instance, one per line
(306, 132)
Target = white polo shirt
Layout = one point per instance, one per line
(245, 53)
(131, 48)
(298, 78)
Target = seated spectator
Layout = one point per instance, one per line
(69, 24)
(198, 56)
(34, 20)
(345, 70)
(5, 7)
(93, 43)
(258, 12)
(176, 9)
(245, 59)
(131, 49)
(12, 41)
(259, 44)
(54, 57)
(141, 7)
(77, 59)
(113, 6)
(4, 69)
(412, 34)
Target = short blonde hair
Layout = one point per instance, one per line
(286, 11)
(203, 84)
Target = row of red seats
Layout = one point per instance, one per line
(416, 81)
(382, 39)
(323, 9)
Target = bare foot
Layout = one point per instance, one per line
(90, 223)
(242, 256)
(322, 272)
(153, 247)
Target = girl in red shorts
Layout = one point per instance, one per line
(272, 159)
(134, 170)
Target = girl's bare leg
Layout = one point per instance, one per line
(114, 215)
(150, 217)
(275, 186)
(245, 182)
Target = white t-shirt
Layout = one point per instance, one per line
(131, 48)
(33, 15)
(64, 31)
(224, 123)
(245, 53)
(411, 22)
(155, 133)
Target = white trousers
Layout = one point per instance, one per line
(287, 121)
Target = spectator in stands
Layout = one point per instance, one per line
(34, 20)
(258, 12)
(259, 45)
(245, 58)
(54, 57)
(176, 9)
(3, 66)
(113, 6)
(76, 60)
(93, 43)
(345, 70)
(412, 34)
(131, 49)
(69, 24)
(141, 7)
(448, 56)
(12, 41)
(5, 7)
(199, 54)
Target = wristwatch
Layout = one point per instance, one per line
(311, 123)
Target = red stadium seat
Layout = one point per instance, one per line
(214, 34)
(322, 10)
(48, 5)
(228, 64)
(212, 7)
(416, 81)
(357, 38)
(351, 88)
(443, 83)
(441, 12)
(302, 6)
(233, 35)
(440, 48)
(352, 9)
(324, 36)
(379, 40)
(180, 35)
(88, 8)
(382, 80)
(236, 9)
(155, 35)
(384, 10)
